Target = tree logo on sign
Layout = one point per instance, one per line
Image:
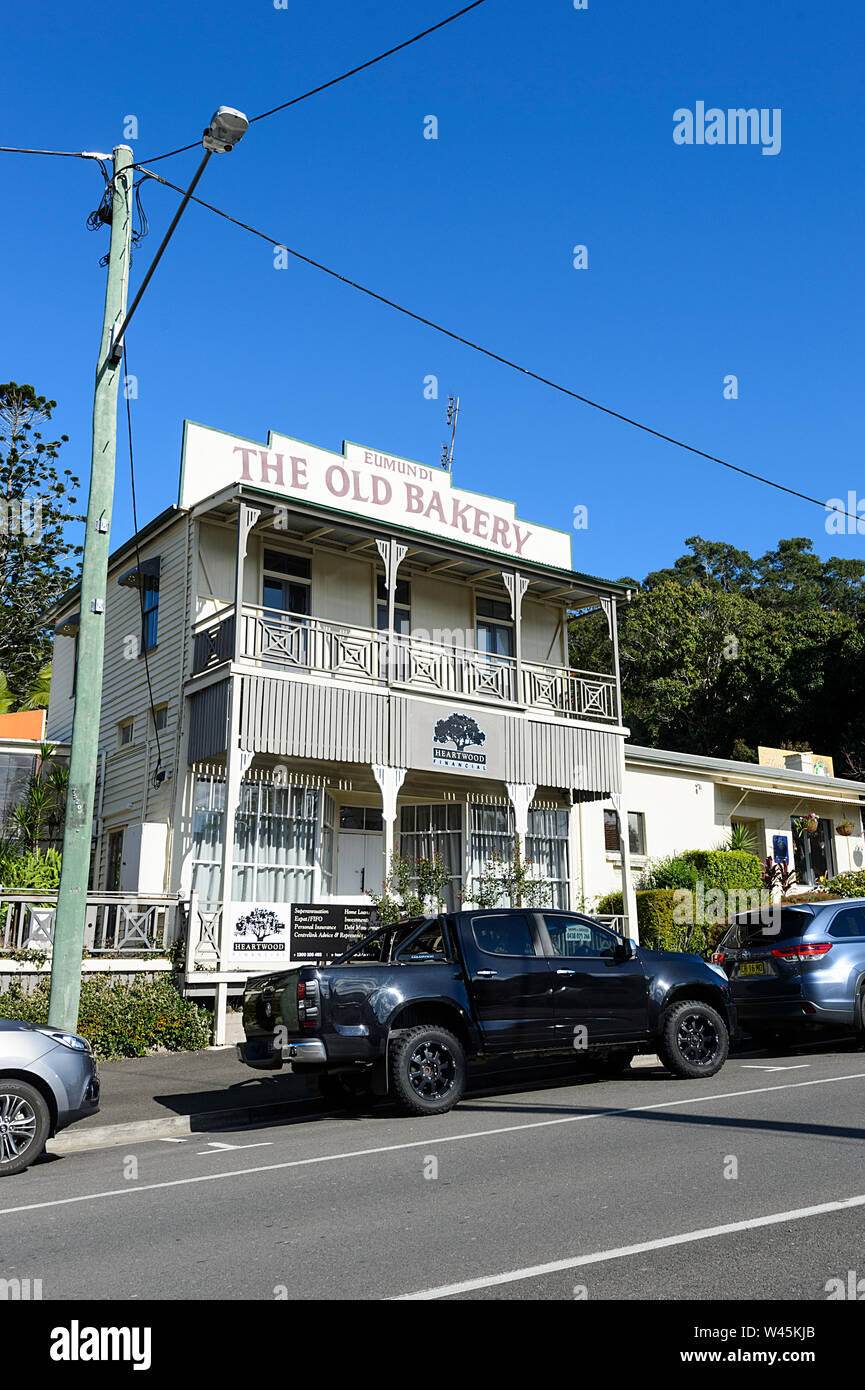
(261, 922)
(460, 730)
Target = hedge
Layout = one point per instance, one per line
(121, 1020)
(714, 868)
(657, 921)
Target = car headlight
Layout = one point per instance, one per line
(72, 1040)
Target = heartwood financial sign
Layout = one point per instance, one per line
(365, 483)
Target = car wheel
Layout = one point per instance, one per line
(694, 1039)
(345, 1090)
(25, 1125)
(613, 1063)
(427, 1070)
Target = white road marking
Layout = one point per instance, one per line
(600, 1257)
(757, 1066)
(172, 1141)
(215, 1147)
(426, 1143)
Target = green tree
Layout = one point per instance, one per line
(35, 697)
(509, 882)
(36, 506)
(414, 888)
(721, 652)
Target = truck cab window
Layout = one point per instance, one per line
(428, 944)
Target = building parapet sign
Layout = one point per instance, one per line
(365, 482)
(820, 764)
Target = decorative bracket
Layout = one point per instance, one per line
(389, 779)
(516, 585)
(247, 518)
(392, 553)
(608, 606)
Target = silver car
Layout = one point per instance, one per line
(48, 1079)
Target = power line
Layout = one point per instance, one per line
(334, 80)
(59, 154)
(506, 361)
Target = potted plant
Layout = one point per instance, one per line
(844, 827)
(807, 824)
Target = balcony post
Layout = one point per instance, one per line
(392, 553)
(247, 517)
(516, 585)
(521, 794)
(611, 613)
(389, 779)
(629, 897)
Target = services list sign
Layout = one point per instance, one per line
(366, 483)
(322, 931)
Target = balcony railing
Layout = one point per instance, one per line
(114, 922)
(274, 640)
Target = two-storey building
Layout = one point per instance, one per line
(347, 655)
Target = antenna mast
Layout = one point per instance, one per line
(453, 411)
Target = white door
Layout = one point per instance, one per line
(360, 866)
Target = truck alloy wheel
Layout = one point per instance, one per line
(24, 1126)
(428, 1070)
(694, 1039)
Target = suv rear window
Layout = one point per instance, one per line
(777, 923)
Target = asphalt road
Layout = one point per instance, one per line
(642, 1188)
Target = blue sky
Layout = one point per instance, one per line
(555, 129)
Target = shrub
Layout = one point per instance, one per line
(122, 1020)
(658, 930)
(714, 868)
(675, 871)
(24, 869)
(849, 885)
(610, 905)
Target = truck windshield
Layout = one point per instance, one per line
(382, 945)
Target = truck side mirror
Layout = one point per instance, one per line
(624, 950)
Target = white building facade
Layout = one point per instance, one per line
(349, 656)
(682, 801)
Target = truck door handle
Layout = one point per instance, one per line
(487, 973)
(566, 972)
(362, 879)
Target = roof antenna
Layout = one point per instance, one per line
(447, 459)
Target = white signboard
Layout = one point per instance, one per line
(259, 933)
(365, 483)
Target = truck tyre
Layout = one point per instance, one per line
(427, 1069)
(694, 1039)
(613, 1063)
(25, 1124)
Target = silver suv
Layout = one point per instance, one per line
(48, 1079)
(796, 964)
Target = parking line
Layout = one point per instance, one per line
(602, 1256)
(426, 1143)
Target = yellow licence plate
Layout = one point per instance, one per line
(756, 968)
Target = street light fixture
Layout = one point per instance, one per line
(226, 128)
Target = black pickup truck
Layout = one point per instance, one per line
(401, 1012)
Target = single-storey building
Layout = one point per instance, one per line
(682, 801)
